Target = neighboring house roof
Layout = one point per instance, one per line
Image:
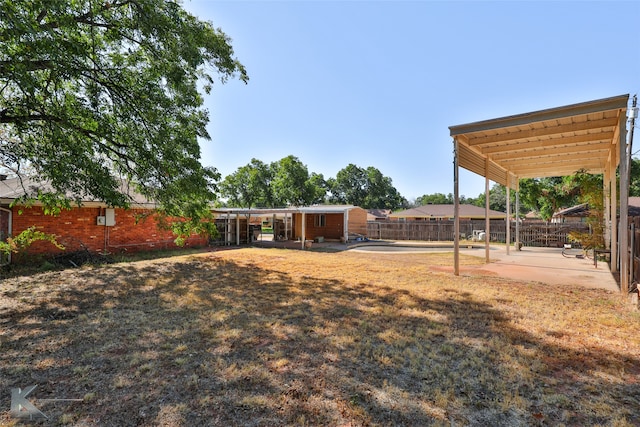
(374, 214)
(14, 188)
(575, 211)
(634, 206)
(532, 215)
(583, 209)
(446, 211)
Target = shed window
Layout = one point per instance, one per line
(320, 221)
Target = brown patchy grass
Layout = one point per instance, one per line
(265, 337)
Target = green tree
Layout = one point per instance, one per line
(547, 195)
(367, 188)
(442, 199)
(634, 178)
(320, 188)
(349, 186)
(590, 191)
(380, 192)
(497, 199)
(93, 92)
(249, 186)
(435, 199)
(292, 184)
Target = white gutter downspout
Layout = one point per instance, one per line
(9, 230)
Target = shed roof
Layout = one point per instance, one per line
(553, 142)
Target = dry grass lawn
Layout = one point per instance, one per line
(270, 337)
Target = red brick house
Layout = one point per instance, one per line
(93, 226)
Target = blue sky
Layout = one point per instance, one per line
(378, 83)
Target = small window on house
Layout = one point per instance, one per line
(320, 221)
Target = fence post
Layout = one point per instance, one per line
(632, 252)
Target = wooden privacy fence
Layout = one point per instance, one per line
(634, 245)
(532, 233)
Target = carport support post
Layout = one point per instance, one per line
(237, 229)
(624, 209)
(286, 225)
(614, 220)
(456, 211)
(304, 228)
(517, 216)
(508, 229)
(249, 228)
(227, 230)
(345, 219)
(606, 194)
(487, 221)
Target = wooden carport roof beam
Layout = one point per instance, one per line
(555, 139)
(553, 142)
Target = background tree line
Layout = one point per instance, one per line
(543, 195)
(288, 182)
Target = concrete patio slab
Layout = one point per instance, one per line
(548, 265)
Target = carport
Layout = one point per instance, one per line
(330, 216)
(589, 136)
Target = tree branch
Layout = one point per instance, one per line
(84, 18)
(34, 65)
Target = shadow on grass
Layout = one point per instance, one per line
(207, 341)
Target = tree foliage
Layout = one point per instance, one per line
(634, 178)
(497, 199)
(548, 195)
(292, 184)
(367, 188)
(435, 199)
(282, 183)
(94, 93)
(249, 186)
(590, 191)
(26, 238)
(443, 199)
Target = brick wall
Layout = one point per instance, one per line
(333, 228)
(358, 221)
(77, 228)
